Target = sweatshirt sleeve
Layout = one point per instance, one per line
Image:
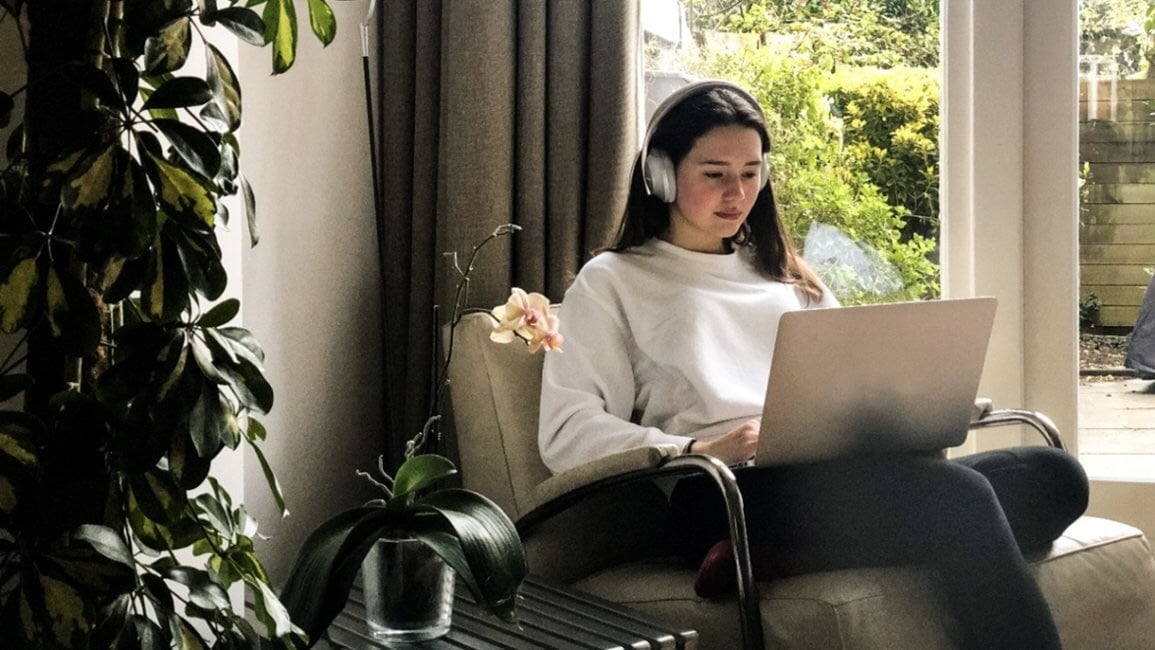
(587, 392)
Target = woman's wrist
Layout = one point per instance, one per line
(689, 448)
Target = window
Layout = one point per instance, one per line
(851, 95)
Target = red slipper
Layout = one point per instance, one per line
(717, 575)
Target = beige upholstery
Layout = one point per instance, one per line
(1099, 577)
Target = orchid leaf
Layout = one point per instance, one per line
(495, 562)
(326, 565)
(420, 472)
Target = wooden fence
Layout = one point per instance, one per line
(1117, 205)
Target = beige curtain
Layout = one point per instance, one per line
(490, 112)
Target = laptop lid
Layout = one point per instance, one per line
(873, 379)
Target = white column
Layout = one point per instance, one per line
(1050, 211)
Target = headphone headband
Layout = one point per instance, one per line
(657, 169)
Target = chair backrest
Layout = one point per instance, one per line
(494, 391)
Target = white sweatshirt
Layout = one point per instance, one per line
(662, 345)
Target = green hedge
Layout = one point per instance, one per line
(890, 122)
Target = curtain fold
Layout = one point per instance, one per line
(519, 111)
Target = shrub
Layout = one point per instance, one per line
(890, 121)
(880, 33)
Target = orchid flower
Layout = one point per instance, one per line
(526, 316)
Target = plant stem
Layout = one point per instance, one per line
(459, 302)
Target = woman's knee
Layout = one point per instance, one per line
(1041, 489)
(1047, 473)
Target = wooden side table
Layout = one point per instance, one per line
(551, 616)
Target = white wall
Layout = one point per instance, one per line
(310, 287)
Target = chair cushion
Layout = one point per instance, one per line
(1099, 579)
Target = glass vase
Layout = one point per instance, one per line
(408, 591)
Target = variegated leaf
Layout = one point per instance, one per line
(322, 21)
(182, 193)
(280, 18)
(17, 292)
(167, 50)
(91, 182)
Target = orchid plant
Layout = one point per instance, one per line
(469, 531)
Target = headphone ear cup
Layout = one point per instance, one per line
(660, 176)
(765, 173)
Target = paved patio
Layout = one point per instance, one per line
(1117, 428)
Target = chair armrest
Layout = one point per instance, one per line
(647, 463)
(983, 406)
(985, 415)
(632, 460)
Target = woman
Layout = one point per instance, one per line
(669, 336)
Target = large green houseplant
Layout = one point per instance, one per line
(125, 381)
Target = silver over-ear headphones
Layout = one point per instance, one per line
(658, 171)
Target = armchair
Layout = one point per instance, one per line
(602, 528)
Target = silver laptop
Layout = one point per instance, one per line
(873, 379)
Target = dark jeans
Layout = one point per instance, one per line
(968, 518)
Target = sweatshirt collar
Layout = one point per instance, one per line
(726, 265)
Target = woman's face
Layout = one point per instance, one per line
(718, 182)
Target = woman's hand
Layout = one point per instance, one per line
(734, 447)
